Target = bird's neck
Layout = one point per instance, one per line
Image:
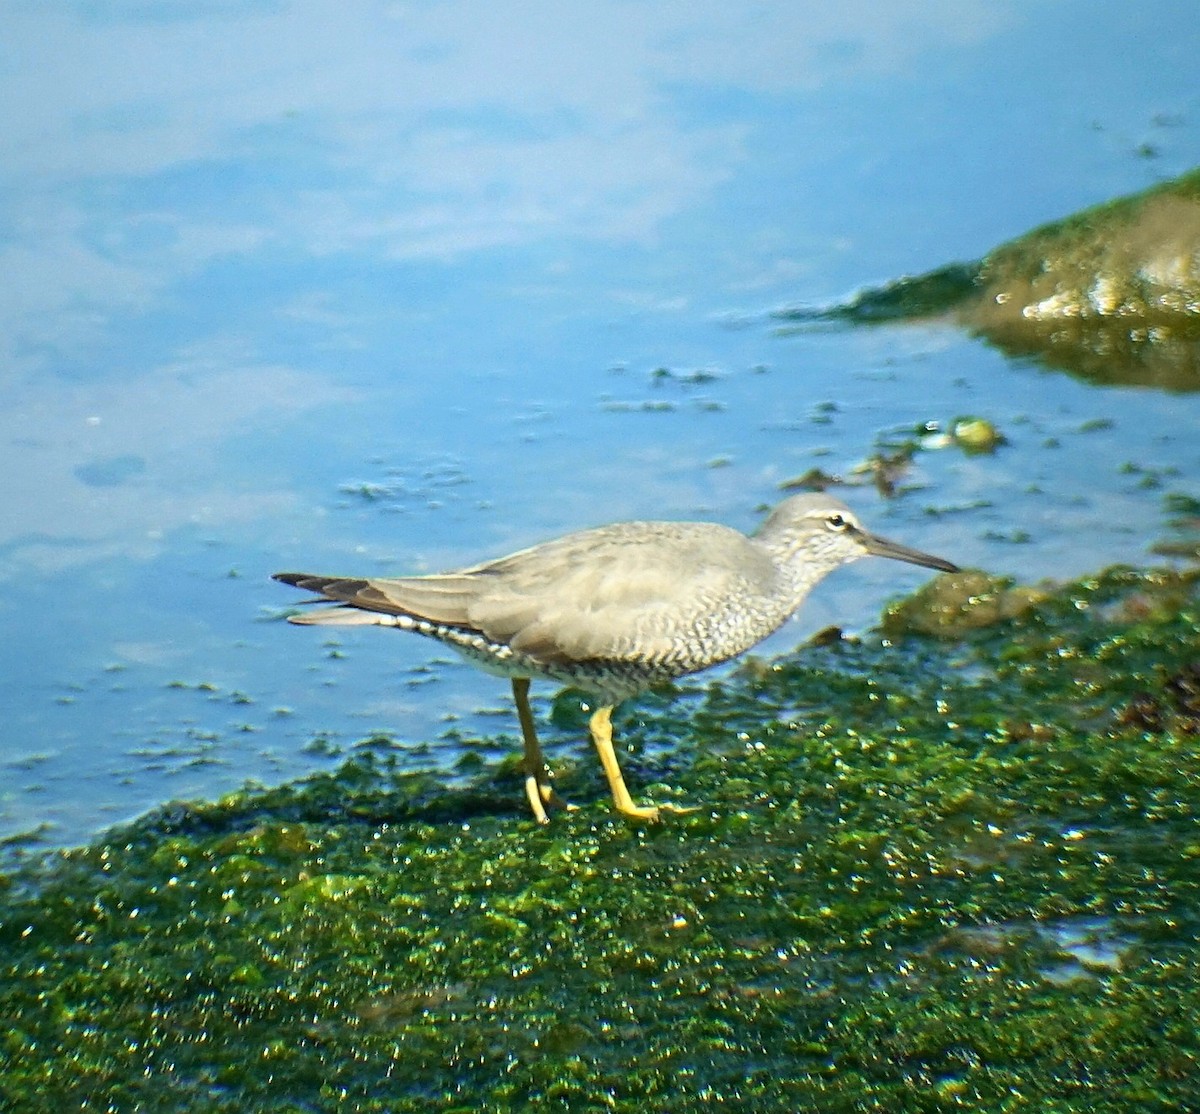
(799, 569)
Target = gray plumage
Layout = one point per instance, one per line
(618, 608)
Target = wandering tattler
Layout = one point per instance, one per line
(614, 610)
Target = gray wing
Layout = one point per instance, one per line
(634, 591)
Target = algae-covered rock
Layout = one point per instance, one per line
(949, 606)
(953, 873)
(1111, 294)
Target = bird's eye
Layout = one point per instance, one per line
(837, 522)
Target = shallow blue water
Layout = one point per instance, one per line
(386, 290)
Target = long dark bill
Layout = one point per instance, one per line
(882, 547)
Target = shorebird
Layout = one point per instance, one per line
(614, 610)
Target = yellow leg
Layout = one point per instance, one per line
(537, 786)
(601, 726)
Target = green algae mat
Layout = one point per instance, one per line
(953, 866)
(1108, 294)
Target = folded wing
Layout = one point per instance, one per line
(636, 591)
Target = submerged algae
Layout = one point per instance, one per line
(905, 846)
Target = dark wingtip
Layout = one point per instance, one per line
(292, 578)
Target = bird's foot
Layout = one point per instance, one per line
(653, 813)
(639, 812)
(553, 800)
(540, 794)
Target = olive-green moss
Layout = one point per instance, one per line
(1111, 293)
(959, 873)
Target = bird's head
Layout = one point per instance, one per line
(815, 534)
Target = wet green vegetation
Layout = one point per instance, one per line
(952, 866)
(1110, 294)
